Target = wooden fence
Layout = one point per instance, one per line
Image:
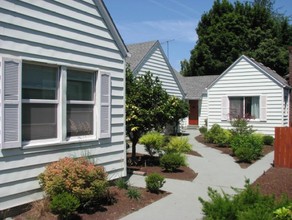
(283, 147)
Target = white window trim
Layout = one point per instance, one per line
(62, 110)
(94, 103)
(261, 108)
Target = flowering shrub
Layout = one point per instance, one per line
(78, 177)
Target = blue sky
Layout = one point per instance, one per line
(172, 22)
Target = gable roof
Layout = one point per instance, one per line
(195, 86)
(112, 27)
(141, 52)
(138, 52)
(261, 67)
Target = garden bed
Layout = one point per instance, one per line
(276, 181)
(120, 208)
(147, 165)
(226, 150)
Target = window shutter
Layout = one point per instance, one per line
(263, 107)
(10, 103)
(105, 105)
(224, 108)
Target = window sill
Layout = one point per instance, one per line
(57, 142)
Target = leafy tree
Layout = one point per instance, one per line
(177, 109)
(146, 106)
(149, 107)
(230, 30)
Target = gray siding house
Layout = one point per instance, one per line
(195, 89)
(251, 90)
(149, 56)
(62, 91)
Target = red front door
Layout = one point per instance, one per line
(193, 114)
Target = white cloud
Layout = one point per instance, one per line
(179, 30)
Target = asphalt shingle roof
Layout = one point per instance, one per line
(138, 52)
(271, 72)
(194, 86)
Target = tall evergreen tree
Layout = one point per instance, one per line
(230, 30)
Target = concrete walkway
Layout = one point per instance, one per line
(214, 169)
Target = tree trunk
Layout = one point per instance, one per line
(134, 143)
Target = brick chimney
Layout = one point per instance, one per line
(290, 83)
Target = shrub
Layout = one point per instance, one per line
(283, 213)
(245, 204)
(220, 206)
(77, 176)
(203, 130)
(121, 183)
(247, 147)
(153, 142)
(64, 204)
(218, 135)
(222, 138)
(268, 140)
(241, 127)
(172, 161)
(154, 182)
(133, 193)
(178, 145)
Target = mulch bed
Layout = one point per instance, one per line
(121, 207)
(148, 165)
(276, 181)
(226, 150)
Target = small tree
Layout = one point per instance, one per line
(146, 106)
(177, 109)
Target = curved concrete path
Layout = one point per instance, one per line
(214, 169)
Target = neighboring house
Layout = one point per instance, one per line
(251, 90)
(62, 91)
(149, 56)
(195, 93)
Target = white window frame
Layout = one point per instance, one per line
(225, 107)
(44, 101)
(101, 126)
(243, 106)
(94, 102)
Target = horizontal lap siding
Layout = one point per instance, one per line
(70, 33)
(245, 80)
(157, 65)
(204, 110)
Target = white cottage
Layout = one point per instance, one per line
(62, 91)
(149, 56)
(248, 89)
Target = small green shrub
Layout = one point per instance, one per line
(247, 147)
(246, 204)
(133, 193)
(76, 176)
(222, 139)
(154, 182)
(178, 145)
(153, 142)
(218, 135)
(172, 161)
(220, 206)
(283, 213)
(64, 204)
(268, 140)
(241, 127)
(121, 183)
(203, 130)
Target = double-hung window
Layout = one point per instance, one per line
(39, 101)
(244, 107)
(80, 103)
(45, 104)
